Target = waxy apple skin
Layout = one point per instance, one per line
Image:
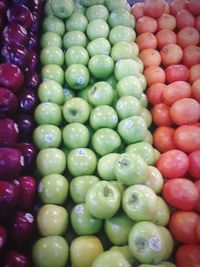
(3, 238)
(8, 103)
(16, 259)
(9, 132)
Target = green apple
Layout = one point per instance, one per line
(142, 79)
(146, 243)
(121, 17)
(75, 135)
(68, 93)
(99, 46)
(111, 258)
(48, 113)
(129, 86)
(81, 161)
(79, 8)
(105, 141)
(122, 33)
(162, 214)
(52, 55)
(112, 81)
(97, 28)
(101, 66)
(47, 136)
(76, 110)
(125, 252)
(154, 180)
(51, 91)
(50, 251)
(106, 166)
(47, 9)
(51, 160)
(119, 185)
(97, 12)
(74, 38)
(146, 115)
(76, 55)
(50, 39)
(89, 3)
(77, 22)
(132, 129)
(124, 50)
(84, 250)
(168, 242)
(53, 189)
(77, 76)
(101, 93)
(52, 72)
(83, 223)
(103, 199)
(126, 67)
(144, 100)
(115, 4)
(103, 116)
(52, 220)
(130, 169)
(144, 150)
(62, 8)
(149, 139)
(53, 24)
(139, 202)
(167, 264)
(79, 187)
(128, 106)
(117, 228)
(156, 154)
(84, 93)
(140, 65)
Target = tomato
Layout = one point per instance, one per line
(191, 55)
(161, 115)
(197, 207)
(163, 138)
(194, 7)
(181, 194)
(146, 24)
(154, 74)
(183, 225)
(188, 36)
(166, 22)
(175, 91)
(185, 111)
(177, 73)
(194, 73)
(154, 8)
(165, 37)
(171, 54)
(173, 163)
(137, 10)
(150, 57)
(194, 167)
(177, 5)
(187, 138)
(197, 23)
(188, 256)
(196, 90)
(146, 40)
(155, 93)
(184, 19)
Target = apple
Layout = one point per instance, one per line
(3, 238)
(83, 94)
(126, 67)
(50, 251)
(83, 223)
(48, 113)
(101, 66)
(144, 100)
(146, 115)
(28, 100)
(14, 258)
(139, 202)
(51, 160)
(99, 46)
(29, 153)
(51, 91)
(149, 139)
(76, 110)
(77, 76)
(125, 252)
(76, 55)
(62, 8)
(115, 4)
(122, 34)
(9, 102)
(9, 132)
(121, 17)
(101, 93)
(52, 220)
(106, 166)
(81, 161)
(76, 22)
(168, 242)
(79, 187)
(50, 39)
(130, 51)
(117, 228)
(129, 86)
(103, 199)
(141, 70)
(74, 38)
(79, 8)
(112, 81)
(68, 93)
(52, 55)
(162, 215)
(97, 28)
(88, 3)
(14, 32)
(28, 188)
(154, 179)
(97, 12)
(53, 189)
(53, 24)
(52, 72)
(128, 106)
(84, 250)
(130, 169)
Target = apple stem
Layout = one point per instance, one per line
(134, 198)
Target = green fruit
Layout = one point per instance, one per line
(62, 8)
(50, 39)
(51, 91)
(52, 72)
(125, 67)
(77, 76)
(144, 100)
(101, 66)
(122, 34)
(154, 180)
(146, 115)
(47, 9)
(97, 28)
(111, 258)
(52, 55)
(101, 93)
(99, 46)
(124, 50)
(68, 94)
(97, 12)
(121, 17)
(89, 3)
(106, 166)
(129, 86)
(115, 4)
(128, 106)
(76, 55)
(162, 215)
(77, 22)
(74, 38)
(53, 24)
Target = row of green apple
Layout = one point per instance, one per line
(94, 142)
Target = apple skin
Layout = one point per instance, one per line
(53, 189)
(62, 8)
(129, 86)
(121, 33)
(125, 67)
(106, 166)
(101, 93)
(76, 55)
(125, 252)
(50, 251)
(52, 72)
(53, 24)
(84, 250)
(9, 132)
(97, 28)
(16, 259)
(168, 241)
(101, 66)
(74, 38)
(76, 22)
(121, 17)
(130, 51)
(79, 187)
(97, 12)
(99, 46)
(77, 76)
(52, 220)
(51, 91)
(103, 199)
(139, 202)
(154, 179)
(50, 39)
(113, 5)
(3, 238)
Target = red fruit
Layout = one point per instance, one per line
(184, 19)
(3, 238)
(15, 33)
(16, 259)
(165, 37)
(188, 256)
(194, 73)
(160, 115)
(28, 189)
(146, 24)
(166, 22)
(137, 10)
(197, 23)
(177, 73)
(146, 40)
(154, 74)
(197, 207)
(163, 139)
(155, 93)
(154, 8)
(171, 54)
(8, 133)
(8, 102)
(191, 55)
(194, 7)
(150, 57)
(194, 164)
(177, 5)
(188, 36)
(196, 90)
(29, 152)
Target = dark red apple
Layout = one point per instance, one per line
(3, 6)
(32, 79)
(36, 21)
(29, 152)
(15, 33)
(3, 238)
(16, 259)
(8, 102)
(20, 14)
(33, 41)
(28, 100)
(26, 125)
(8, 132)
(31, 60)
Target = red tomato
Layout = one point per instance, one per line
(194, 73)
(183, 226)
(197, 207)
(187, 138)
(166, 22)
(154, 74)
(163, 138)
(191, 55)
(194, 7)
(194, 167)
(171, 54)
(154, 8)
(175, 91)
(173, 163)
(181, 194)
(155, 93)
(188, 256)
(146, 40)
(197, 23)
(137, 10)
(165, 37)
(196, 90)
(184, 19)
(150, 57)
(177, 73)
(188, 36)
(146, 24)
(161, 115)
(177, 5)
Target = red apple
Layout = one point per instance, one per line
(8, 132)
(15, 33)
(28, 189)
(3, 238)
(8, 102)
(16, 259)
